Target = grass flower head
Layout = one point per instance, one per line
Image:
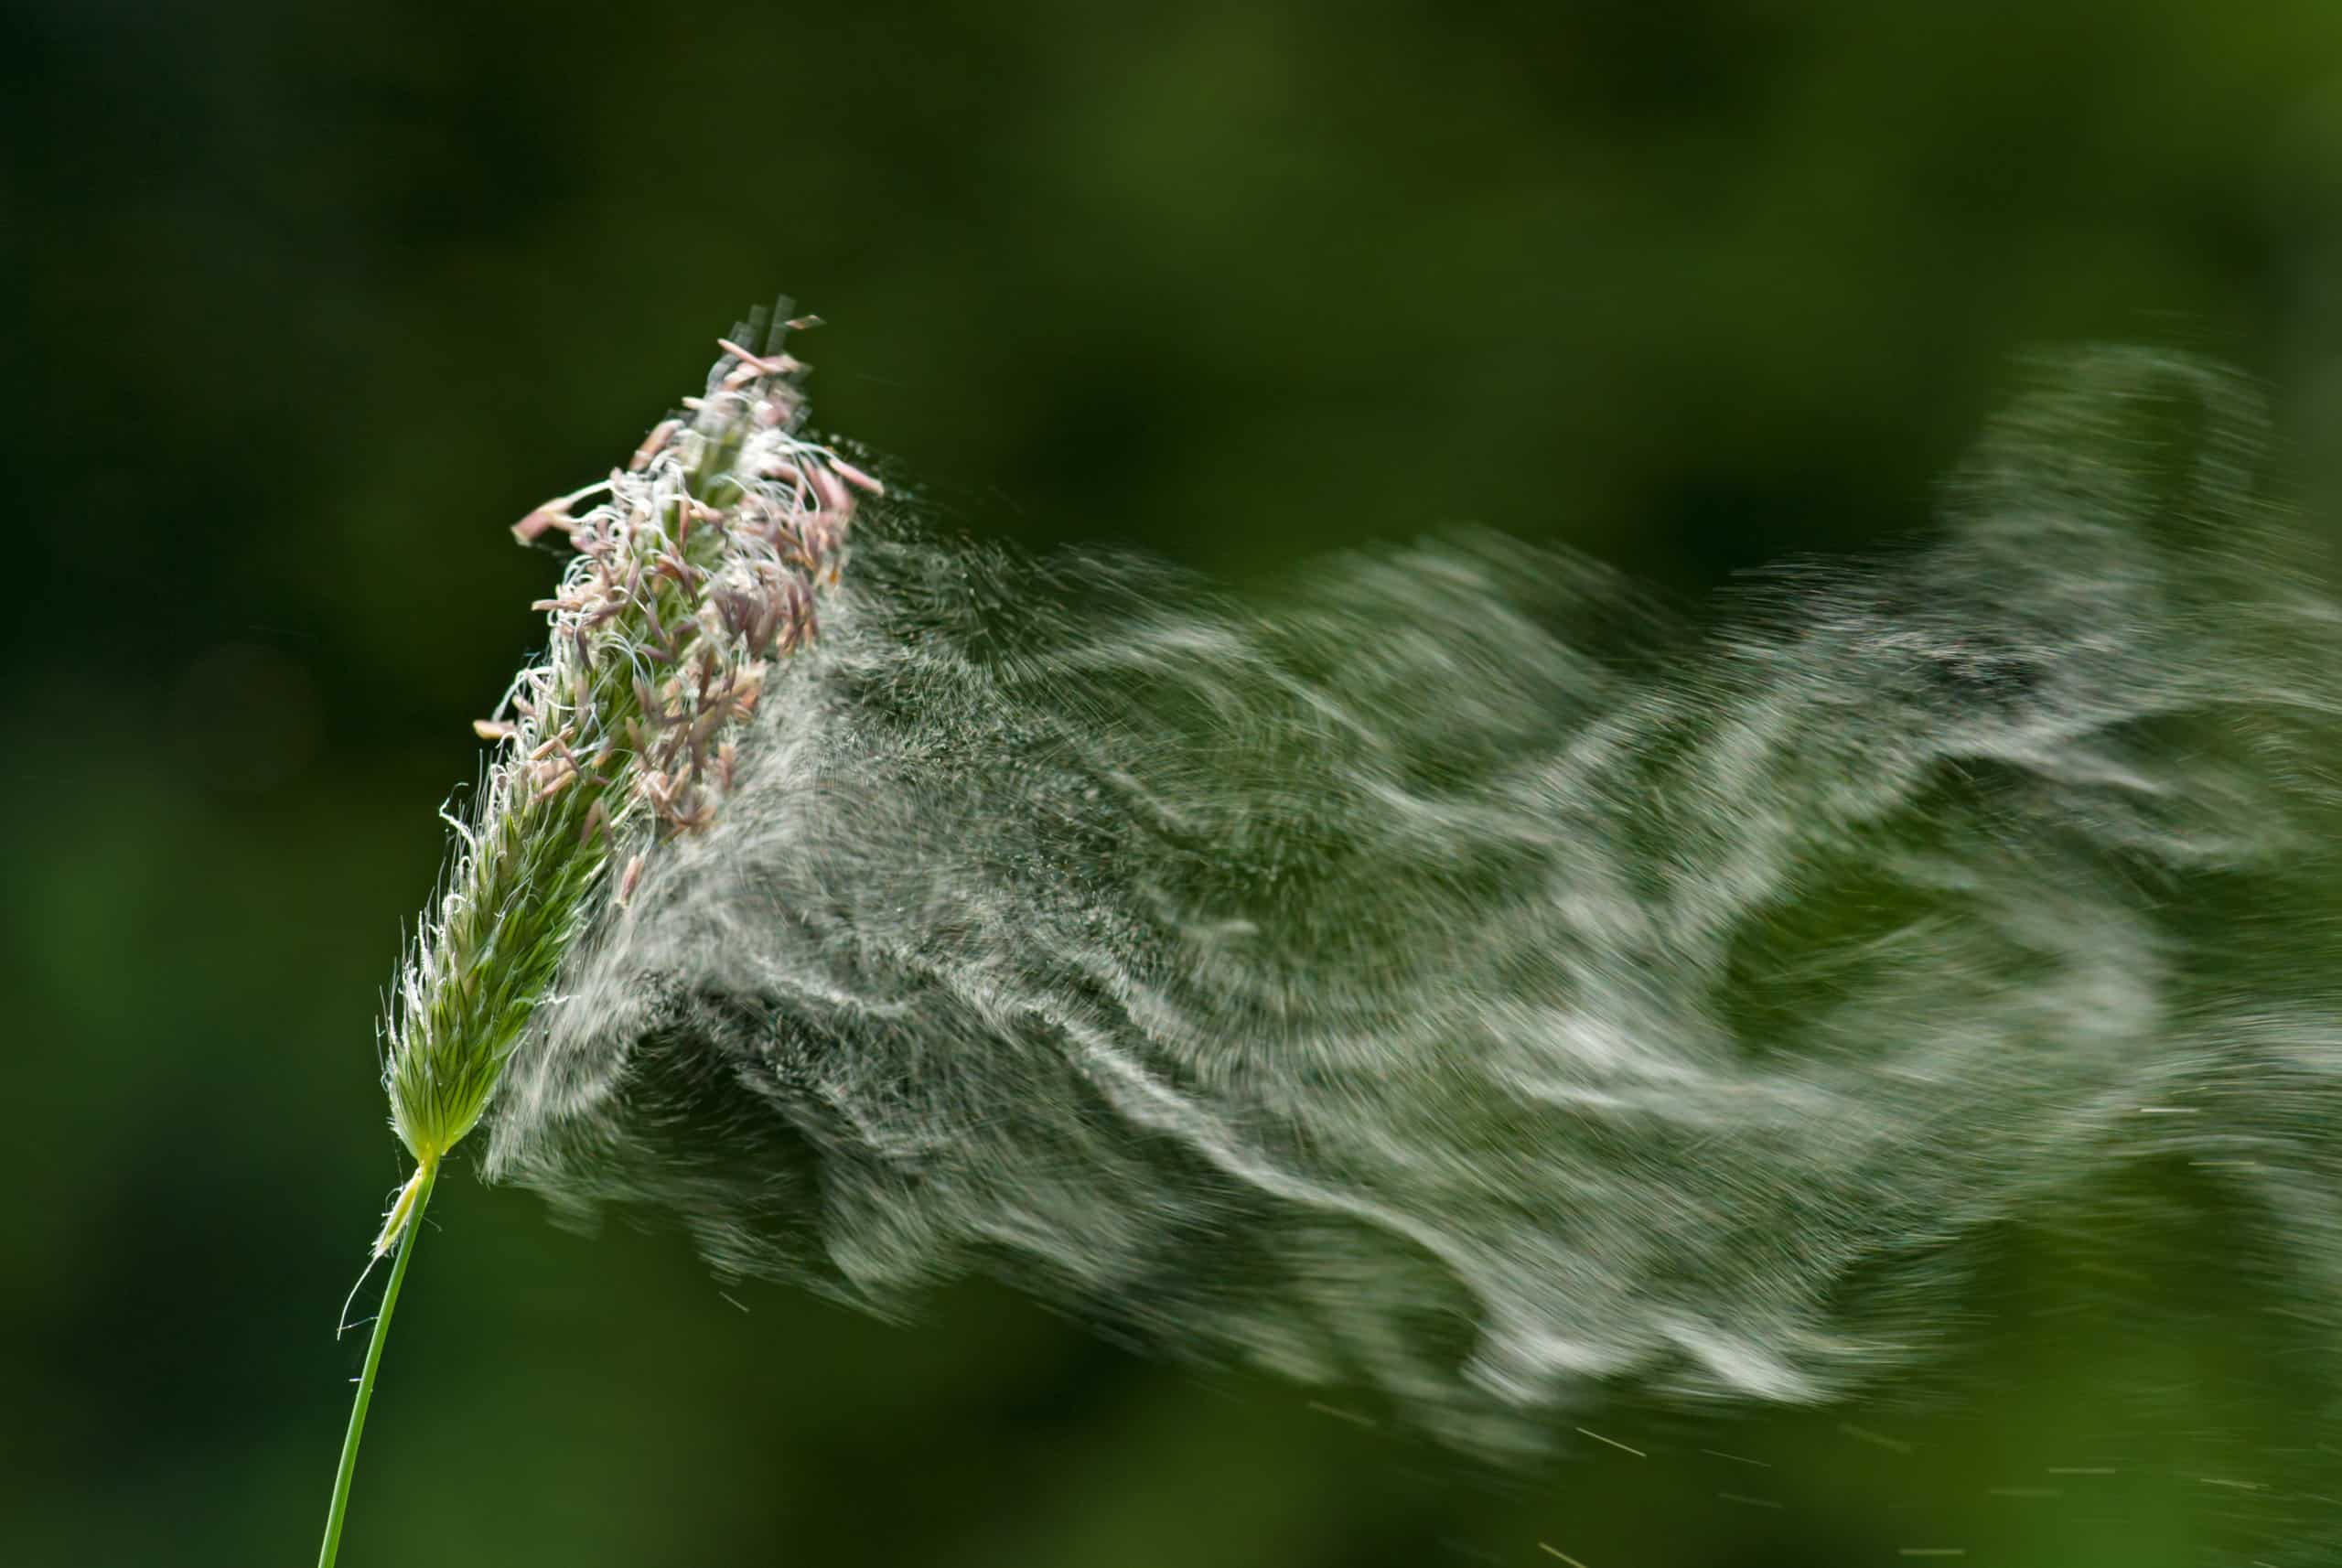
(696, 565)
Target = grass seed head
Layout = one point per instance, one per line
(695, 565)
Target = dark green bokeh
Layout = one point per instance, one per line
(310, 303)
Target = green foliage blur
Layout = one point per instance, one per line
(303, 305)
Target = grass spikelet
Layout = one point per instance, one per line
(695, 566)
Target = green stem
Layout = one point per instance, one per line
(413, 1223)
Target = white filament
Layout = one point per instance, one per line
(1462, 977)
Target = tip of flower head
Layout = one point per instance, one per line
(699, 563)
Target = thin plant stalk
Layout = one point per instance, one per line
(412, 1203)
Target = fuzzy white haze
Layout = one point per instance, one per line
(1462, 976)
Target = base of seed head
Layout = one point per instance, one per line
(394, 1223)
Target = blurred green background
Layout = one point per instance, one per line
(305, 305)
